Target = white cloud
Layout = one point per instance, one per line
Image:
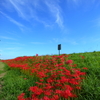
(85, 3)
(9, 38)
(63, 40)
(30, 10)
(17, 5)
(56, 40)
(55, 11)
(74, 43)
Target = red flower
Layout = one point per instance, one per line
(58, 91)
(73, 81)
(47, 92)
(67, 93)
(63, 79)
(46, 98)
(33, 89)
(21, 96)
(82, 56)
(49, 80)
(78, 87)
(74, 65)
(69, 87)
(48, 86)
(85, 68)
(41, 74)
(56, 97)
(69, 62)
(41, 80)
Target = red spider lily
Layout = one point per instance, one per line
(49, 80)
(46, 98)
(48, 86)
(78, 87)
(58, 91)
(55, 97)
(39, 84)
(70, 65)
(47, 92)
(68, 87)
(82, 56)
(56, 81)
(74, 65)
(41, 74)
(41, 80)
(69, 62)
(84, 68)
(58, 85)
(67, 72)
(21, 96)
(73, 81)
(36, 90)
(25, 78)
(64, 79)
(67, 93)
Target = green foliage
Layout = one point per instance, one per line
(14, 82)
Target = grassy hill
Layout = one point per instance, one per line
(90, 86)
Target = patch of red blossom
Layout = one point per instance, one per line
(69, 62)
(55, 80)
(82, 56)
(84, 68)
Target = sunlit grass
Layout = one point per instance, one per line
(16, 82)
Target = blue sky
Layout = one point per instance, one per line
(30, 27)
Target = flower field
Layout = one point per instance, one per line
(63, 77)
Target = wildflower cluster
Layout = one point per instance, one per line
(58, 76)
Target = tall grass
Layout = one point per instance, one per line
(15, 82)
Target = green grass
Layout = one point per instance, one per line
(91, 85)
(14, 82)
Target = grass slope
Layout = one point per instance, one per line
(15, 83)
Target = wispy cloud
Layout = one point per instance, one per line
(38, 43)
(63, 40)
(14, 21)
(36, 9)
(74, 43)
(55, 11)
(18, 5)
(26, 9)
(56, 40)
(85, 3)
(9, 38)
